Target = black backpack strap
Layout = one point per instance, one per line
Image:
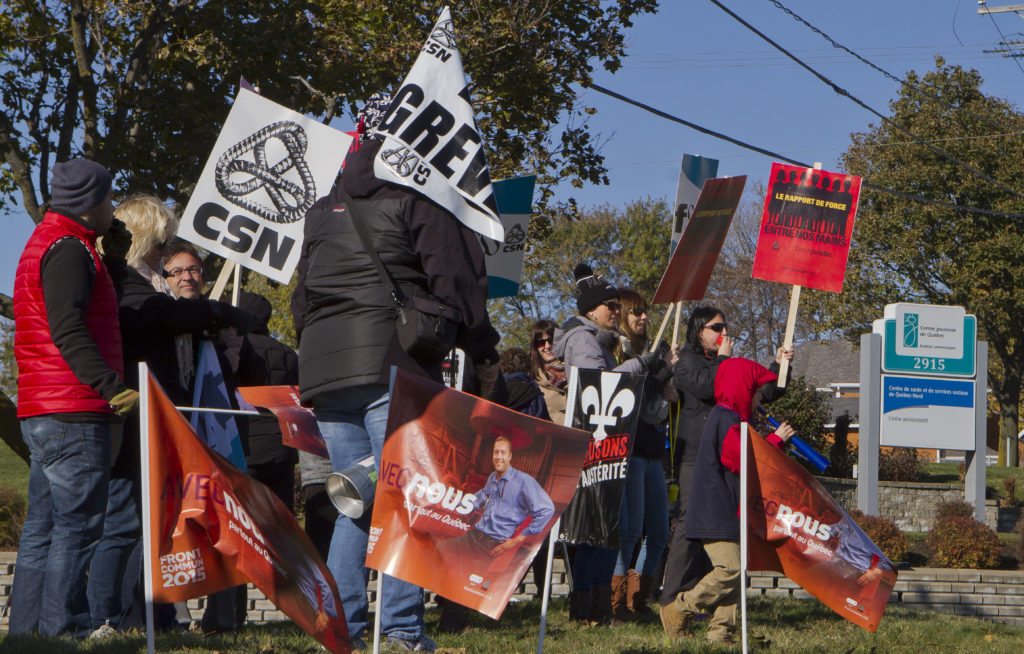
(400, 299)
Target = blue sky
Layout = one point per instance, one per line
(694, 61)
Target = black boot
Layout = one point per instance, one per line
(601, 606)
(579, 605)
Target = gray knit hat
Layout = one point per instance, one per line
(79, 185)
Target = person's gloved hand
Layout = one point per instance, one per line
(487, 374)
(653, 362)
(125, 402)
(117, 241)
(231, 316)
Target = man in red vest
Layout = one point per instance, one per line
(71, 398)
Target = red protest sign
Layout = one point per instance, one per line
(796, 528)
(299, 429)
(466, 492)
(807, 227)
(213, 527)
(689, 269)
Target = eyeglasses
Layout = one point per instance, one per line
(612, 305)
(717, 327)
(638, 311)
(174, 273)
(541, 340)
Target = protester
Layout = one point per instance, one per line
(71, 392)
(707, 345)
(349, 341)
(225, 610)
(157, 329)
(714, 520)
(523, 393)
(548, 371)
(587, 341)
(644, 510)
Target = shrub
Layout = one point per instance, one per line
(1019, 530)
(900, 464)
(884, 533)
(961, 542)
(953, 509)
(12, 516)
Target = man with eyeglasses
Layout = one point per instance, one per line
(184, 270)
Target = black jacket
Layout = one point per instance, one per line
(344, 317)
(265, 361)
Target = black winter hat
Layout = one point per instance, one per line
(591, 289)
(79, 185)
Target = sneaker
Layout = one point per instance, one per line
(103, 632)
(424, 644)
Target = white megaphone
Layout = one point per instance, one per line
(351, 490)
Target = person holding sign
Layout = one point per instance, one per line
(713, 519)
(365, 243)
(588, 341)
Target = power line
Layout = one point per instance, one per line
(1002, 38)
(843, 92)
(781, 157)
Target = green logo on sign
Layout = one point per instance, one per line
(910, 325)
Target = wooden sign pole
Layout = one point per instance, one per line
(675, 329)
(664, 324)
(222, 279)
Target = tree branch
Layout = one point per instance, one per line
(6, 306)
(21, 168)
(330, 101)
(83, 60)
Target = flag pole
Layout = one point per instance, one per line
(380, 606)
(552, 542)
(147, 518)
(744, 527)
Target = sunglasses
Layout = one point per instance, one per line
(638, 311)
(717, 327)
(537, 342)
(612, 305)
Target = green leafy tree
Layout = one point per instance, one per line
(805, 409)
(144, 88)
(628, 246)
(910, 252)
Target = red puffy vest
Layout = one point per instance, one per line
(46, 383)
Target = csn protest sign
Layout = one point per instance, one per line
(267, 168)
(505, 260)
(806, 227)
(431, 142)
(467, 492)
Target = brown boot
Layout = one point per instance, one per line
(675, 620)
(620, 610)
(601, 606)
(638, 593)
(579, 605)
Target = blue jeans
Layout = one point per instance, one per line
(354, 423)
(67, 487)
(122, 529)
(644, 510)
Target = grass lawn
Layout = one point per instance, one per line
(781, 625)
(13, 471)
(946, 473)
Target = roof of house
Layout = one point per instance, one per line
(827, 362)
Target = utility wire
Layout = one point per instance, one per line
(843, 92)
(1002, 37)
(781, 157)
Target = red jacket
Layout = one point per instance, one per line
(46, 383)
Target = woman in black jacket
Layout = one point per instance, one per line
(156, 328)
(707, 345)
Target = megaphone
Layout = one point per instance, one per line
(351, 490)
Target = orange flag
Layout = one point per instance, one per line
(796, 528)
(212, 527)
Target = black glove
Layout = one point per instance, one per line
(652, 362)
(117, 241)
(230, 316)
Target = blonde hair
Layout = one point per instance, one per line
(151, 222)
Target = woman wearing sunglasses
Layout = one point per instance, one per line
(707, 345)
(644, 509)
(588, 341)
(548, 371)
